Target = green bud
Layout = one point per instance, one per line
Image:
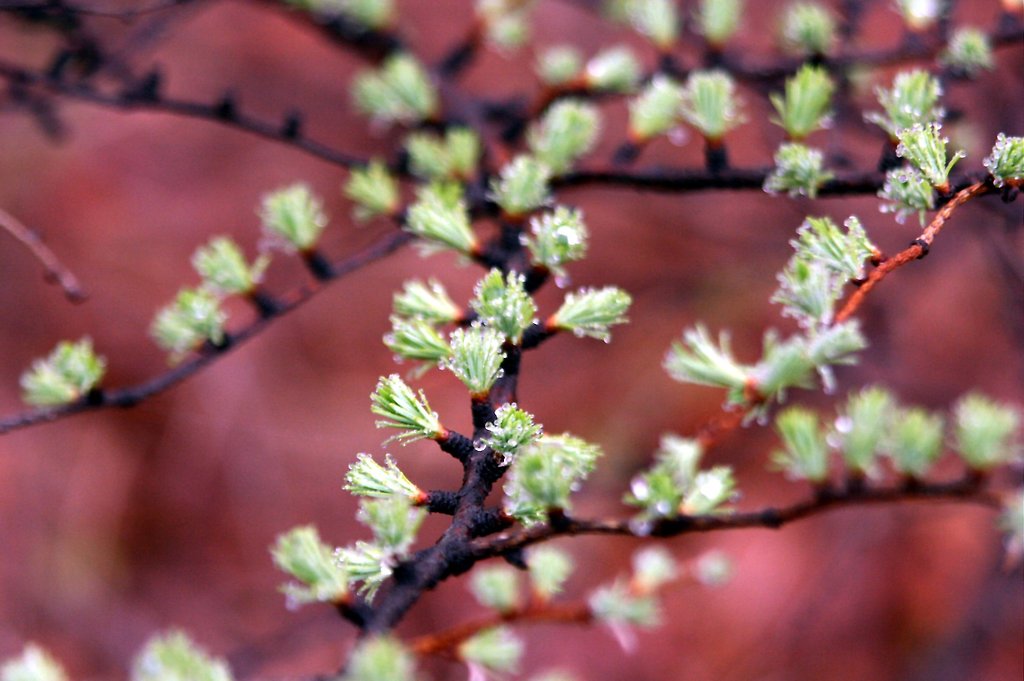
(512, 428)
(717, 20)
(984, 432)
(698, 359)
(373, 190)
(558, 237)
(452, 157)
(367, 563)
(195, 316)
(805, 453)
(658, 20)
(908, 193)
(655, 110)
(714, 568)
(545, 473)
(400, 91)
(496, 586)
(617, 605)
(920, 15)
(416, 339)
(842, 251)
(65, 375)
(653, 567)
(1006, 162)
(503, 304)
(549, 569)
(558, 66)
(915, 441)
(404, 410)
(710, 490)
(369, 15)
(496, 649)
(808, 29)
(463, 147)
(912, 100)
(394, 522)
(567, 131)
(427, 301)
(293, 217)
(476, 358)
(968, 52)
(784, 365)
(224, 269)
(34, 664)
(613, 70)
(710, 104)
(367, 478)
(174, 657)
(860, 428)
(318, 578)
(590, 312)
(660, 489)
(522, 186)
(805, 105)
(440, 216)
(925, 148)
(506, 22)
(799, 170)
(380, 658)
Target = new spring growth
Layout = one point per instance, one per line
(452, 157)
(427, 301)
(559, 66)
(225, 270)
(968, 53)
(194, 317)
(658, 20)
(404, 410)
(859, 430)
(416, 339)
(655, 110)
(65, 375)
(804, 455)
(380, 658)
(549, 569)
(512, 428)
(808, 29)
(1006, 162)
(674, 485)
(496, 587)
(522, 186)
(799, 171)
(557, 238)
(34, 664)
(496, 649)
(985, 433)
(920, 15)
(591, 312)
(717, 20)
(912, 100)
(394, 522)
(367, 478)
(915, 441)
(440, 217)
(506, 22)
(400, 91)
(503, 304)
(545, 473)
(174, 657)
(612, 70)
(476, 358)
(370, 15)
(906, 192)
(567, 131)
(633, 603)
(841, 250)
(373, 190)
(318, 578)
(710, 104)
(293, 217)
(805, 105)
(699, 360)
(365, 562)
(925, 148)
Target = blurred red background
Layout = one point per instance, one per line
(114, 525)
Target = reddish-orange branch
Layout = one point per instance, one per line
(914, 251)
(445, 642)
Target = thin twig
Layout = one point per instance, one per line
(56, 272)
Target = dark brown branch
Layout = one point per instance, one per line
(132, 395)
(55, 271)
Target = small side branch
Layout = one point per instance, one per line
(56, 272)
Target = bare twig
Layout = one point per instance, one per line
(56, 272)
